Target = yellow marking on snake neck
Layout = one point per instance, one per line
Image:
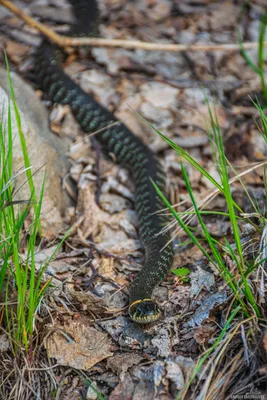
(139, 301)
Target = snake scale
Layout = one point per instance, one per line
(129, 151)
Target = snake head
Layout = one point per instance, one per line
(144, 311)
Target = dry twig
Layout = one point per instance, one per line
(66, 41)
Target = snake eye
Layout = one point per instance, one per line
(144, 311)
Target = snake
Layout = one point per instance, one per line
(128, 150)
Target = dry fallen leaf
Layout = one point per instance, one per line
(106, 267)
(162, 342)
(200, 278)
(124, 390)
(89, 301)
(204, 333)
(207, 305)
(120, 363)
(87, 207)
(16, 51)
(78, 345)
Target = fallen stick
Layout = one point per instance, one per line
(66, 41)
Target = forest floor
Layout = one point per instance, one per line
(93, 270)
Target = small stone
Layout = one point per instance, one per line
(92, 392)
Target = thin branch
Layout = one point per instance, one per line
(49, 33)
(66, 41)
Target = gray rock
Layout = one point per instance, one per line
(46, 152)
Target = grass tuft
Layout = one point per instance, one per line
(237, 280)
(22, 287)
(239, 277)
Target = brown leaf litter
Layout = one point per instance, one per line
(92, 332)
(76, 344)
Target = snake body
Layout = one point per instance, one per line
(129, 151)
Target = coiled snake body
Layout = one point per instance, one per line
(129, 151)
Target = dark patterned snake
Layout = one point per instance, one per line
(128, 150)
